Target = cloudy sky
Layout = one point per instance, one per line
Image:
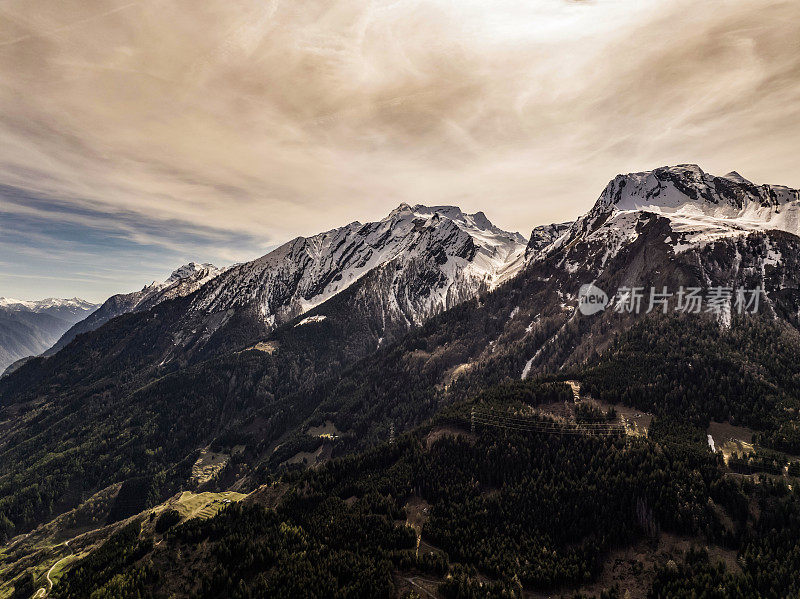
(138, 135)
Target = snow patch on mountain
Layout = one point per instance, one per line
(311, 319)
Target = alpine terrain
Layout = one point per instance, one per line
(183, 281)
(419, 407)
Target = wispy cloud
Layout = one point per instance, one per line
(214, 130)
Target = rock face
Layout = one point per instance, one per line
(543, 236)
(423, 260)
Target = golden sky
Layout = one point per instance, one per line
(214, 129)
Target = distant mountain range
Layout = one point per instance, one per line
(27, 328)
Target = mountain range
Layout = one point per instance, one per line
(419, 261)
(28, 328)
(414, 242)
(370, 331)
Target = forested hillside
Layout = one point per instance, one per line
(498, 502)
(498, 510)
(692, 369)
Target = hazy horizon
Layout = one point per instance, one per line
(137, 136)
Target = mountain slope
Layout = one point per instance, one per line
(475, 510)
(181, 282)
(457, 253)
(672, 227)
(27, 328)
(176, 377)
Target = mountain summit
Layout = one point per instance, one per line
(438, 256)
(699, 208)
(699, 203)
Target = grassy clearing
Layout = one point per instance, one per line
(269, 347)
(326, 430)
(208, 465)
(204, 505)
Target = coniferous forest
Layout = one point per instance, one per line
(506, 509)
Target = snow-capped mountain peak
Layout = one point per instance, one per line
(47, 304)
(687, 193)
(183, 281)
(7, 302)
(701, 208)
(462, 252)
(193, 270)
(475, 224)
(736, 177)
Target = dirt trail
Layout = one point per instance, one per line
(42, 592)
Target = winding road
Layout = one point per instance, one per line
(42, 592)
